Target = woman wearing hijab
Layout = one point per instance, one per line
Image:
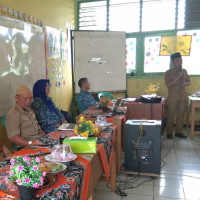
(48, 115)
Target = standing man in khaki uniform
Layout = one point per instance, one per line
(176, 80)
(21, 124)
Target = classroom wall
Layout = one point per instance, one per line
(54, 13)
(137, 86)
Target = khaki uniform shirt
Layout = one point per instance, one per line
(22, 122)
(178, 90)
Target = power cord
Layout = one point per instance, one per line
(173, 146)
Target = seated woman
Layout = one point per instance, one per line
(48, 115)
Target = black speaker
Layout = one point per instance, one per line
(143, 146)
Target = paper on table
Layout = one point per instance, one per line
(129, 99)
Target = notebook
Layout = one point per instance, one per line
(66, 126)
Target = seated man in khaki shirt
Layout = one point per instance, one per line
(21, 124)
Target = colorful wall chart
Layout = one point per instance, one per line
(172, 44)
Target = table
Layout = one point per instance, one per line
(193, 103)
(118, 120)
(138, 110)
(82, 175)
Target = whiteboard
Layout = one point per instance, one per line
(22, 58)
(100, 57)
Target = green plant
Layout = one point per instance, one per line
(25, 171)
(131, 72)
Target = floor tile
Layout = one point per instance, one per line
(101, 195)
(102, 185)
(142, 189)
(166, 182)
(169, 192)
(179, 178)
(165, 198)
(171, 176)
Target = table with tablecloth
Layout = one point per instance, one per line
(72, 183)
(118, 119)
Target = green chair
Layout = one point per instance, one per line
(3, 121)
(4, 137)
(104, 94)
(80, 106)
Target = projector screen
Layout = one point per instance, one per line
(22, 58)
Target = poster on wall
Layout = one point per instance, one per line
(171, 44)
(63, 46)
(53, 42)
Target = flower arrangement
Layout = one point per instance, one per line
(86, 128)
(152, 89)
(25, 171)
(105, 102)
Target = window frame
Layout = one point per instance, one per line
(140, 36)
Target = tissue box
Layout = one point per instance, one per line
(87, 145)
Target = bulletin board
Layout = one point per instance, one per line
(22, 58)
(101, 57)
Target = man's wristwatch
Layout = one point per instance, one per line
(30, 142)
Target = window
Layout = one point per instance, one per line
(145, 21)
(124, 15)
(181, 14)
(190, 63)
(92, 16)
(130, 54)
(153, 62)
(158, 15)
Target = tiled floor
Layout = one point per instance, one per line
(179, 178)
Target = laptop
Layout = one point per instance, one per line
(110, 113)
(117, 104)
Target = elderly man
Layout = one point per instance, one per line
(85, 97)
(176, 80)
(21, 124)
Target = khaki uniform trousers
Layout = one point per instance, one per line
(179, 107)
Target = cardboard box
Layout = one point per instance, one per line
(83, 145)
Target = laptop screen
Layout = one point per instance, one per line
(117, 104)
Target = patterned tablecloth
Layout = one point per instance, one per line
(93, 110)
(70, 184)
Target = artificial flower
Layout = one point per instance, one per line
(106, 102)
(152, 89)
(86, 128)
(25, 171)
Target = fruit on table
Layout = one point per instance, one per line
(50, 167)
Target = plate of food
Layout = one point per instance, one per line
(68, 158)
(52, 167)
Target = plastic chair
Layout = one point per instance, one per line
(104, 94)
(3, 121)
(4, 136)
(80, 106)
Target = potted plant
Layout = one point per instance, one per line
(24, 171)
(86, 128)
(105, 103)
(131, 72)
